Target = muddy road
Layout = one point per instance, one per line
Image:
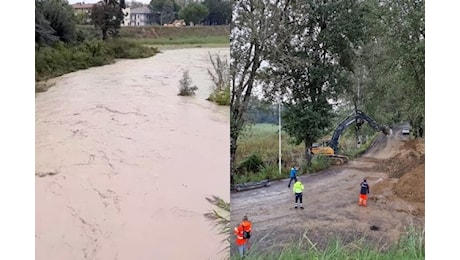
(394, 168)
(123, 164)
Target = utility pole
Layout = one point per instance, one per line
(279, 135)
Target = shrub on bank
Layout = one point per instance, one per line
(124, 49)
(185, 85)
(61, 58)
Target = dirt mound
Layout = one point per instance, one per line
(411, 155)
(407, 176)
(411, 185)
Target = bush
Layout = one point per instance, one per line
(123, 49)
(318, 163)
(59, 59)
(253, 163)
(185, 85)
(220, 76)
(220, 97)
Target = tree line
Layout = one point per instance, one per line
(207, 12)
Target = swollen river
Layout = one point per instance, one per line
(123, 164)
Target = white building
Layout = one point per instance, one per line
(140, 16)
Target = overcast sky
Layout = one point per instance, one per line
(95, 1)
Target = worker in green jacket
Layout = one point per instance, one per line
(297, 190)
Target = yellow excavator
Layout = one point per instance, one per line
(330, 148)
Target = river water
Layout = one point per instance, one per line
(123, 164)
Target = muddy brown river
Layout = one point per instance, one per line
(123, 164)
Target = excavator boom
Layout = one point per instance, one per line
(332, 147)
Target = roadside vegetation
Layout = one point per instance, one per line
(410, 247)
(258, 153)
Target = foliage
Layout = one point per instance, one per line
(393, 63)
(107, 16)
(220, 76)
(260, 111)
(82, 18)
(164, 11)
(220, 11)
(44, 33)
(124, 49)
(253, 163)
(193, 13)
(64, 58)
(249, 38)
(312, 63)
(221, 218)
(185, 85)
(53, 20)
(318, 163)
(134, 4)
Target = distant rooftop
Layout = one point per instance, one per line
(82, 6)
(141, 10)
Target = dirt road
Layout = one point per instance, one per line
(331, 200)
(123, 164)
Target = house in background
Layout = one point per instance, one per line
(141, 16)
(82, 7)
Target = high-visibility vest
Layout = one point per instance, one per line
(298, 187)
(239, 235)
(246, 225)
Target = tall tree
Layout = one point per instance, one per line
(55, 14)
(220, 11)
(193, 12)
(313, 63)
(395, 60)
(250, 37)
(107, 16)
(44, 33)
(164, 11)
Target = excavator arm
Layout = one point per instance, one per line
(357, 117)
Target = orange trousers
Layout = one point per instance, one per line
(362, 200)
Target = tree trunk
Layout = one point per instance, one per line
(308, 155)
(104, 34)
(233, 148)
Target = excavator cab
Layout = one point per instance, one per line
(322, 148)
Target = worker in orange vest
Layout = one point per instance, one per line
(243, 232)
(363, 193)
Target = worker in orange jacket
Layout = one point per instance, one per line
(243, 232)
(363, 193)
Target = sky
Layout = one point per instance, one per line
(17, 132)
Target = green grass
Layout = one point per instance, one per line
(410, 247)
(262, 140)
(156, 31)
